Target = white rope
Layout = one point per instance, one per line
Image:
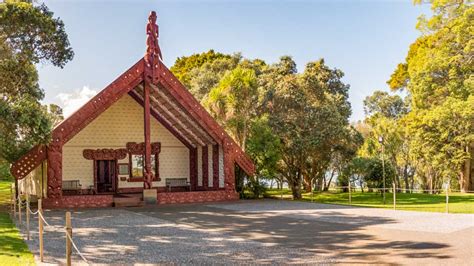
(75, 247)
(34, 213)
(44, 220)
(67, 234)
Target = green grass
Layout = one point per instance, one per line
(13, 250)
(458, 202)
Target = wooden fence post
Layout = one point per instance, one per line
(68, 239)
(350, 192)
(14, 203)
(19, 211)
(40, 229)
(28, 216)
(394, 196)
(447, 197)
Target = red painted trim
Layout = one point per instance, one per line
(205, 167)
(215, 166)
(193, 168)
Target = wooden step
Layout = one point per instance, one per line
(128, 202)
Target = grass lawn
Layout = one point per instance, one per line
(458, 202)
(13, 250)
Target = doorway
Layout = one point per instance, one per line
(106, 176)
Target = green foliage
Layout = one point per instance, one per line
(380, 102)
(33, 33)
(232, 102)
(183, 66)
(29, 34)
(257, 188)
(430, 143)
(374, 173)
(264, 148)
(309, 113)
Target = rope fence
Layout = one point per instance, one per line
(17, 206)
(393, 191)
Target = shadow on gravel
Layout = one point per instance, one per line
(149, 235)
(343, 237)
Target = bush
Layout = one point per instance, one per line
(256, 188)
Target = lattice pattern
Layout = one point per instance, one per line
(28, 162)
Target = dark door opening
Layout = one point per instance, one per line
(106, 176)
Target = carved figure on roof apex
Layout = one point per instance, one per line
(153, 51)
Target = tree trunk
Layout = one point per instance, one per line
(295, 186)
(326, 185)
(465, 175)
(307, 183)
(405, 177)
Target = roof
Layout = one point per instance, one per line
(171, 104)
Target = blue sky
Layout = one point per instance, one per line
(365, 39)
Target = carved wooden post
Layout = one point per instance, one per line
(68, 238)
(147, 175)
(40, 228)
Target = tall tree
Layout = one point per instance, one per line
(29, 34)
(438, 75)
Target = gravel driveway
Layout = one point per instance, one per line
(257, 232)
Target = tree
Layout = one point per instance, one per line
(308, 112)
(233, 102)
(29, 34)
(437, 74)
(264, 148)
(380, 102)
(183, 66)
(375, 172)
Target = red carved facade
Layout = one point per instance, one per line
(148, 79)
(196, 196)
(104, 154)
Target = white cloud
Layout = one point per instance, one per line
(71, 102)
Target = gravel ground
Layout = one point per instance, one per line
(387, 219)
(118, 236)
(260, 232)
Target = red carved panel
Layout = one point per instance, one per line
(28, 162)
(55, 165)
(104, 154)
(79, 201)
(196, 196)
(229, 167)
(193, 167)
(139, 148)
(215, 166)
(205, 167)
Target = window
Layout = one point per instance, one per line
(137, 163)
